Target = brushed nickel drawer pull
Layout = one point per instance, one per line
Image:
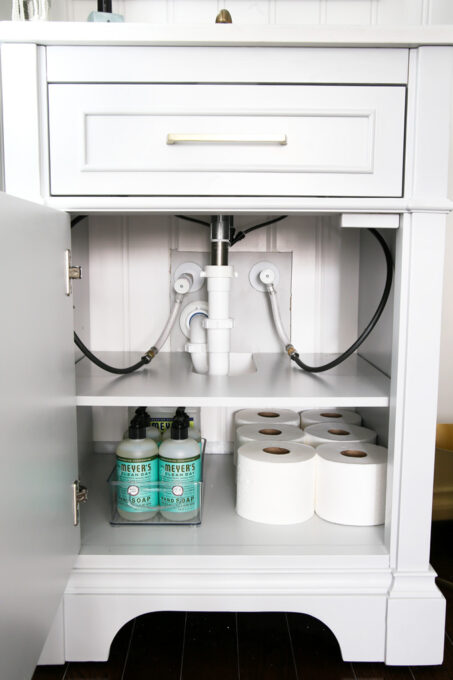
(179, 138)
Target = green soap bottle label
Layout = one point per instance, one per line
(181, 492)
(137, 475)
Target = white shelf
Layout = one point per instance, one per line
(222, 532)
(169, 381)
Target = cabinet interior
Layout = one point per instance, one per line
(335, 281)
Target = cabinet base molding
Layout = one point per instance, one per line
(92, 621)
(415, 621)
(375, 615)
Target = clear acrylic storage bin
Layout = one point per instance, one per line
(190, 493)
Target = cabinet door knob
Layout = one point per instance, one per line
(223, 17)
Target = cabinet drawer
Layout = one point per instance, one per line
(262, 140)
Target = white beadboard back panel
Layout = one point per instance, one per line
(377, 348)
(440, 12)
(363, 12)
(130, 290)
(129, 277)
(341, 12)
(148, 276)
(412, 12)
(130, 283)
(109, 300)
(377, 419)
(290, 12)
(338, 286)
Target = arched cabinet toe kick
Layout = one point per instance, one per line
(358, 621)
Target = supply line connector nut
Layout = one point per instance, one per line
(183, 284)
(150, 354)
(264, 274)
(267, 276)
(290, 349)
(189, 269)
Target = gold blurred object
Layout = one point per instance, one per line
(223, 17)
(443, 473)
(444, 437)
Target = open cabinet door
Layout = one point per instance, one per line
(37, 429)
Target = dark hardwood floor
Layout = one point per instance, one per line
(250, 646)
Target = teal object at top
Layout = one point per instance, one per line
(105, 17)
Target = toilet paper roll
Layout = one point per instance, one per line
(268, 417)
(350, 484)
(343, 433)
(276, 484)
(264, 433)
(326, 415)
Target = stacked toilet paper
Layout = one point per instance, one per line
(326, 433)
(276, 433)
(269, 419)
(350, 483)
(266, 417)
(276, 484)
(326, 415)
(334, 469)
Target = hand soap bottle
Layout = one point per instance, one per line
(179, 470)
(137, 466)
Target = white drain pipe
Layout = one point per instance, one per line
(209, 328)
(219, 274)
(218, 324)
(197, 344)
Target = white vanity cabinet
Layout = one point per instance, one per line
(129, 120)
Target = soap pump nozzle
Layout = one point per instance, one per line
(141, 412)
(180, 427)
(137, 428)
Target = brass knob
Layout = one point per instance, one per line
(223, 17)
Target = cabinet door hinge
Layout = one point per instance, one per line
(71, 272)
(79, 495)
